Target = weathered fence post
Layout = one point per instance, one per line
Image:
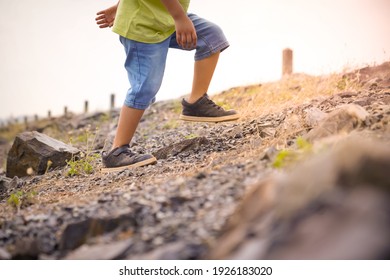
(86, 106)
(26, 121)
(36, 117)
(65, 111)
(287, 67)
(112, 104)
(49, 114)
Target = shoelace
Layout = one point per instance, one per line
(209, 101)
(123, 150)
(128, 152)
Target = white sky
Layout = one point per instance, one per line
(52, 54)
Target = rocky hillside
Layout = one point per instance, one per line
(302, 175)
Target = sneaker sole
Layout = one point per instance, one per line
(209, 119)
(137, 164)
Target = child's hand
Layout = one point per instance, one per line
(106, 17)
(185, 33)
(185, 30)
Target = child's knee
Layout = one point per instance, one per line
(141, 97)
(211, 38)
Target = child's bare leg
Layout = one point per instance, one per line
(198, 107)
(203, 73)
(121, 157)
(128, 122)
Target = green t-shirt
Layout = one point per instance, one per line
(146, 21)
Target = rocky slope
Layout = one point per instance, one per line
(243, 189)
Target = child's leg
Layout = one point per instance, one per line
(145, 65)
(128, 122)
(121, 157)
(211, 42)
(203, 73)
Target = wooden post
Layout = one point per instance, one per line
(112, 104)
(49, 114)
(287, 62)
(36, 118)
(26, 121)
(65, 111)
(86, 106)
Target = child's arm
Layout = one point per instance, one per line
(106, 17)
(185, 31)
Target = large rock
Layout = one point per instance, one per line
(341, 121)
(31, 152)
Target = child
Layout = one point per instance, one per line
(147, 29)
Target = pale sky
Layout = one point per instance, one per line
(52, 54)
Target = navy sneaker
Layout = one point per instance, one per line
(122, 158)
(205, 110)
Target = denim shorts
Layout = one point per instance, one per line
(145, 63)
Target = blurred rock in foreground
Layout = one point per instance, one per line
(335, 206)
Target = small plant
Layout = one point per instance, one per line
(342, 83)
(304, 145)
(15, 199)
(171, 124)
(348, 83)
(82, 138)
(177, 107)
(191, 136)
(73, 167)
(223, 105)
(105, 118)
(48, 165)
(283, 158)
(83, 163)
(286, 157)
(20, 198)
